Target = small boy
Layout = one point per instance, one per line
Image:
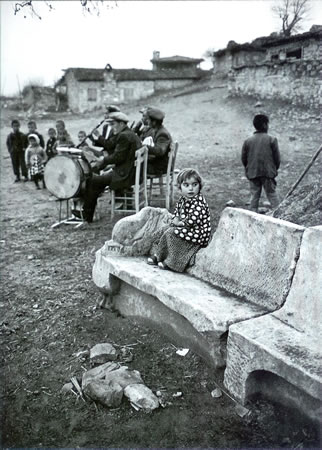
(63, 137)
(261, 159)
(81, 137)
(32, 129)
(51, 143)
(17, 143)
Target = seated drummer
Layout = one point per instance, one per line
(97, 139)
(121, 153)
(159, 149)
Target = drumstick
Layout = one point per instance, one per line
(86, 137)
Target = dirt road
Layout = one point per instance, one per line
(48, 306)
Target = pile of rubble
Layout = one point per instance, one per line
(108, 381)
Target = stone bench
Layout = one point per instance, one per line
(279, 354)
(245, 272)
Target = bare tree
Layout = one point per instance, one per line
(89, 6)
(292, 13)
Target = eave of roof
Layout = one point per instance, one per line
(176, 59)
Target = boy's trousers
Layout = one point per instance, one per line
(269, 185)
(18, 163)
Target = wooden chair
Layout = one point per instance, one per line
(166, 180)
(138, 192)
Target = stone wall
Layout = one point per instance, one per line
(160, 85)
(134, 90)
(296, 80)
(85, 95)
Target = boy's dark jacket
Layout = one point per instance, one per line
(16, 142)
(261, 156)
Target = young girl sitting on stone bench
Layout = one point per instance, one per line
(190, 227)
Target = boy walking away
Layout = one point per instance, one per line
(261, 159)
(17, 143)
(51, 143)
(32, 129)
(35, 160)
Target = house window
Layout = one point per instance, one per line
(92, 94)
(128, 93)
(274, 57)
(297, 53)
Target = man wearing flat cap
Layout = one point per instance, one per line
(119, 151)
(95, 137)
(142, 128)
(159, 151)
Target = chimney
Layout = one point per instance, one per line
(156, 54)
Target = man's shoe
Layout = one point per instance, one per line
(77, 213)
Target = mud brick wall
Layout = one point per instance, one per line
(299, 81)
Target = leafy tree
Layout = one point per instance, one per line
(292, 13)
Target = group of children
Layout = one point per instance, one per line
(29, 153)
(190, 227)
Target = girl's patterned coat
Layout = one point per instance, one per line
(194, 213)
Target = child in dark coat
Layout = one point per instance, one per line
(17, 143)
(190, 227)
(51, 143)
(261, 159)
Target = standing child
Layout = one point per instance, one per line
(51, 143)
(190, 227)
(261, 159)
(32, 129)
(17, 143)
(35, 160)
(63, 137)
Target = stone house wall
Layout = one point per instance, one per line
(161, 85)
(302, 49)
(297, 80)
(85, 95)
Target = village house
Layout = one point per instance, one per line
(275, 66)
(87, 89)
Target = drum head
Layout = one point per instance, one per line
(63, 177)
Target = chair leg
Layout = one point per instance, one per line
(150, 191)
(112, 204)
(137, 199)
(161, 186)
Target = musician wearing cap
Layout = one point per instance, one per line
(97, 139)
(142, 128)
(120, 152)
(160, 147)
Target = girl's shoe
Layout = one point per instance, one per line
(162, 266)
(152, 261)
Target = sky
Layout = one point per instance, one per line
(124, 34)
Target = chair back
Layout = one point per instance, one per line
(172, 158)
(141, 164)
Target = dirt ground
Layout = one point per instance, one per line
(48, 307)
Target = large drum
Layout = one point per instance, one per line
(65, 175)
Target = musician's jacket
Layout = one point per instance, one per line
(159, 153)
(124, 146)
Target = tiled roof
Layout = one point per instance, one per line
(176, 59)
(83, 74)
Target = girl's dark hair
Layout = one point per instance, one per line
(260, 120)
(51, 129)
(184, 174)
(15, 122)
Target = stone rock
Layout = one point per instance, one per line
(124, 376)
(231, 203)
(137, 232)
(67, 388)
(101, 353)
(141, 397)
(108, 393)
(98, 373)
